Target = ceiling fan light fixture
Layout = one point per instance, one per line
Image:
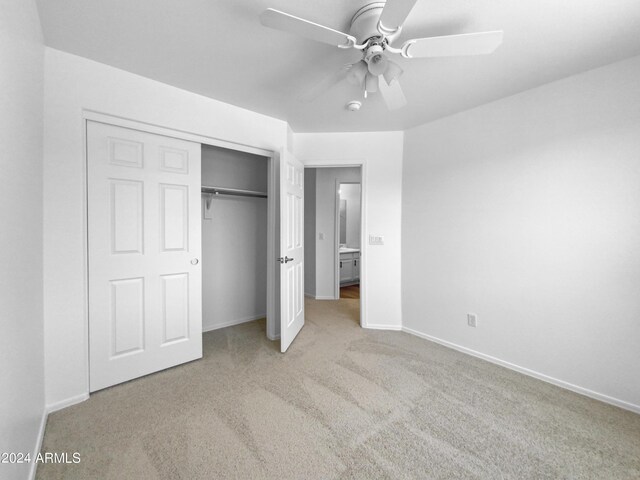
(378, 64)
(392, 72)
(357, 73)
(376, 60)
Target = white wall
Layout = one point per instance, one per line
(326, 249)
(310, 231)
(526, 211)
(350, 192)
(71, 85)
(21, 341)
(234, 240)
(381, 155)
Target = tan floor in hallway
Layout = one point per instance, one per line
(342, 403)
(352, 291)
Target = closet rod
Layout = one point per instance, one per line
(232, 191)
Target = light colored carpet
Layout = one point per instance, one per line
(342, 403)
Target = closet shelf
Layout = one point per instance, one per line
(232, 191)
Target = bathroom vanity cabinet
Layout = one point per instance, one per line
(349, 265)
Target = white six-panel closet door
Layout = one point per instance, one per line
(144, 232)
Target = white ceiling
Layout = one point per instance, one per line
(219, 49)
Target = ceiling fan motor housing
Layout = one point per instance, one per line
(364, 24)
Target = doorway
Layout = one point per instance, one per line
(334, 228)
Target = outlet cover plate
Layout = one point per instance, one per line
(472, 319)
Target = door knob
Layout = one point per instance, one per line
(194, 261)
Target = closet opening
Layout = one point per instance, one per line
(235, 232)
(333, 230)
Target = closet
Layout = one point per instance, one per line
(184, 237)
(234, 237)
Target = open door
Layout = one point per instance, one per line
(291, 248)
(145, 286)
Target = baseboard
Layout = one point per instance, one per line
(383, 327)
(67, 402)
(53, 407)
(38, 447)
(309, 295)
(531, 373)
(231, 323)
(318, 297)
(273, 337)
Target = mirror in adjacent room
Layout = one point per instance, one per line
(349, 211)
(343, 222)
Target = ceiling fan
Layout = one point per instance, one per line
(373, 29)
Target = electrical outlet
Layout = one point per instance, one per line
(472, 319)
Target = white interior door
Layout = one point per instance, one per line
(145, 285)
(291, 249)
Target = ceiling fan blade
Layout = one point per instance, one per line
(392, 94)
(324, 84)
(452, 45)
(394, 13)
(305, 28)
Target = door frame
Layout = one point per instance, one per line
(336, 290)
(363, 232)
(273, 159)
